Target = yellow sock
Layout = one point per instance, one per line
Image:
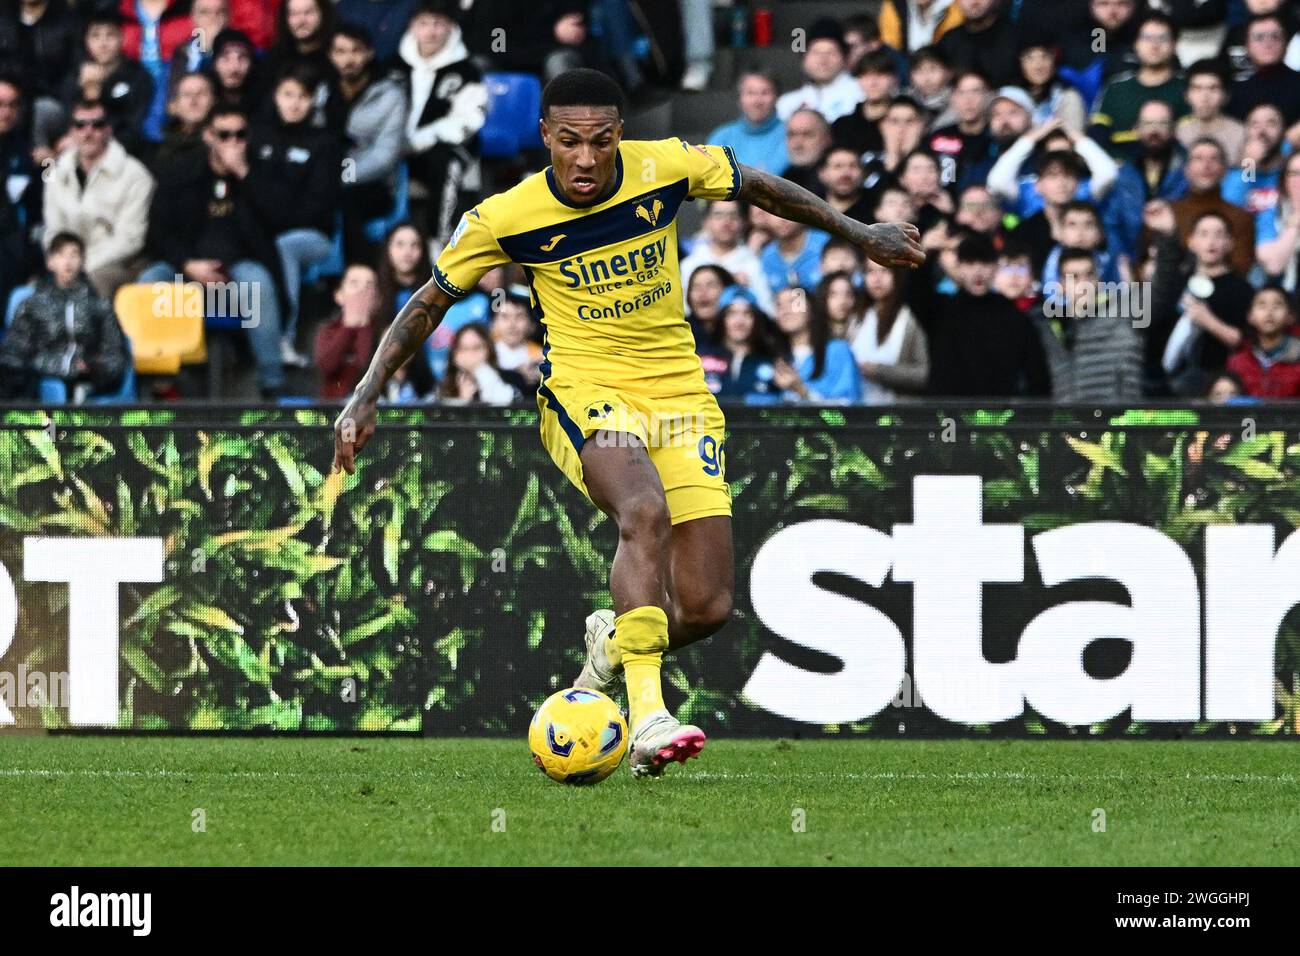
(640, 639)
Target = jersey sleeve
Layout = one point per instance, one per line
(471, 251)
(712, 171)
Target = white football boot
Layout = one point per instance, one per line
(599, 672)
(660, 739)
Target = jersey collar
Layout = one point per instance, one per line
(618, 183)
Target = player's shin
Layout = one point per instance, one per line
(641, 637)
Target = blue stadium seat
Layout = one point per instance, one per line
(514, 106)
(376, 229)
(16, 298)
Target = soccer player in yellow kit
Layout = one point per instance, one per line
(625, 412)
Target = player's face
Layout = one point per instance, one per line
(583, 141)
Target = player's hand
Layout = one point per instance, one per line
(894, 244)
(352, 429)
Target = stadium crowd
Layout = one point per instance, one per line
(1109, 192)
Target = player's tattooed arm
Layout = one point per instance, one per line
(892, 244)
(414, 323)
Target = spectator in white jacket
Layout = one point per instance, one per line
(830, 89)
(447, 108)
(722, 243)
(101, 194)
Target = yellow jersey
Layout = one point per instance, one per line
(604, 280)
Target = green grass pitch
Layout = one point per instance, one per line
(133, 801)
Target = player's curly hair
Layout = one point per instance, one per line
(583, 87)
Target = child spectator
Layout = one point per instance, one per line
(1226, 389)
(889, 346)
(345, 343)
(813, 367)
(64, 343)
(1197, 320)
(1015, 280)
(1269, 363)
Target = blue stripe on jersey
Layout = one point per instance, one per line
(561, 413)
(447, 286)
(567, 238)
(735, 173)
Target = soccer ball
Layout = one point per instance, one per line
(578, 736)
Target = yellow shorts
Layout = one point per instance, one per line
(683, 434)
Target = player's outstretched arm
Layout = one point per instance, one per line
(415, 323)
(892, 244)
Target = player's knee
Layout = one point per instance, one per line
(708, 615)
(645, 517)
